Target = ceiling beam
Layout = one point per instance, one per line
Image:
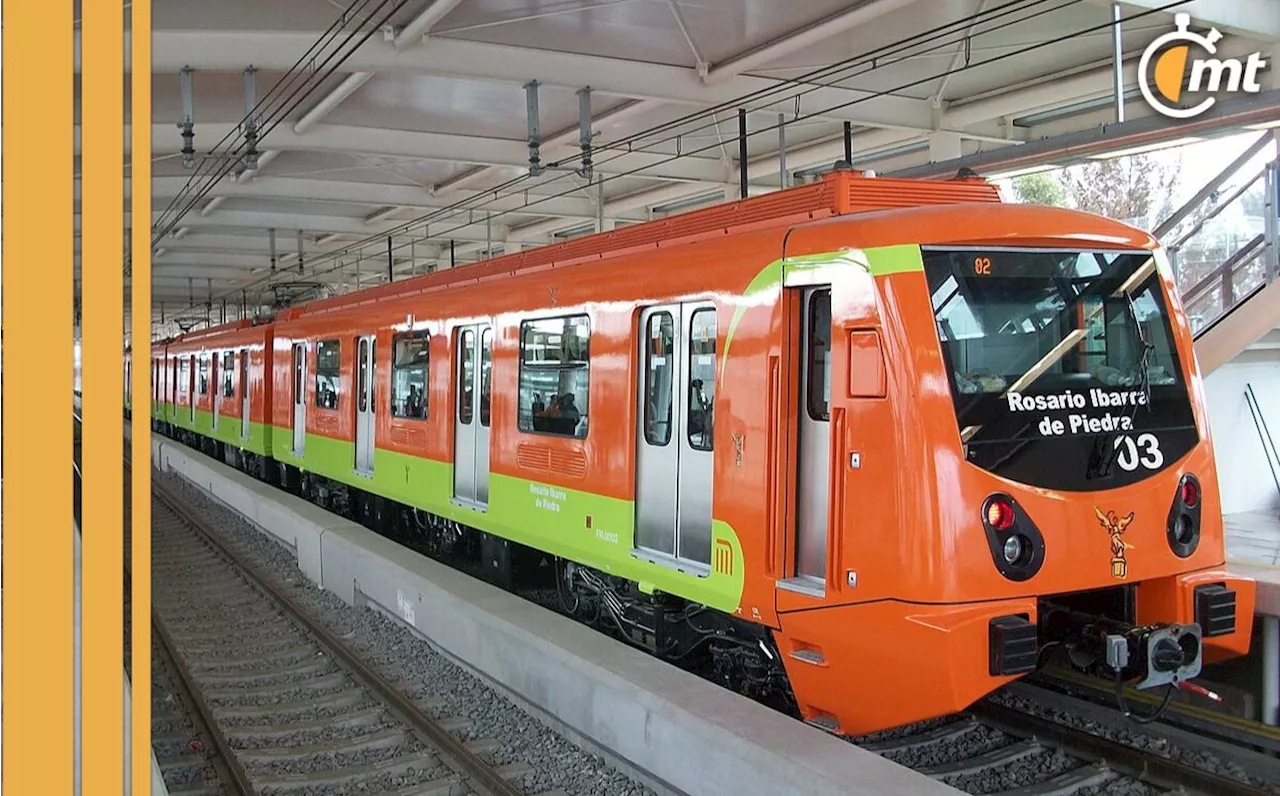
(166, 140)
(231, 51)
(1257, 18)
(287, 224)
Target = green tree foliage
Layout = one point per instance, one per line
(1041, 188)
(1137, 189)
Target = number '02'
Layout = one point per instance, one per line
(1145, 451)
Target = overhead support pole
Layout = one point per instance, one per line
(188, 123)
(600, 204)
(535, 133)
(453, 260)
(782, 150)
(1117, 60)
(300, 252)
(244, 309)
(191, 292)
(584, 129)
(250, 126)
(488, 236)
(848, 143)
(224, 311)
(390, 261)
(271, 235)
(742, 152)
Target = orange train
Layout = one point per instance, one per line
(864, 448)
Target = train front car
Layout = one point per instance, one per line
(1026, 473)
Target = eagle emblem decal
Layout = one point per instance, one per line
(1115, 525)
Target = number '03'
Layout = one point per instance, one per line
(1145, 451)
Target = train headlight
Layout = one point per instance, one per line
(1017, 546)
(1013, 549)
(1182, 528)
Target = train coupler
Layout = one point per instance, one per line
(1157, 654)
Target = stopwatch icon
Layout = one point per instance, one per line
(1170, 67)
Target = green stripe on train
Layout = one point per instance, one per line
(593, 529)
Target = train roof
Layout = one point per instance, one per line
(841, 192)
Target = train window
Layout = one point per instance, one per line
(467, 350)
(555, 365)
(702, 379)
(228, 370)
(328, 370)
(203, 379)
(486, 366)
(660, 367)
(299, 366)
(818, 357)
(410, 362)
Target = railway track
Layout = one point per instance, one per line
(1024, 746)
(288, 707)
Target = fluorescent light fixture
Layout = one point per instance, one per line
(1152, 147)
(1022, 172)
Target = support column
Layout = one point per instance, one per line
(1270, 670)
(944, 146)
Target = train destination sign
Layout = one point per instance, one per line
(1080, 419)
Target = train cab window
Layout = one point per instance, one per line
(555, 365)
(661, 367)
(203, 377)
(818, 357)
(410, 363)
(228, 370)
(702, 379)
(328, 369)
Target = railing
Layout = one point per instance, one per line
(1222, 242)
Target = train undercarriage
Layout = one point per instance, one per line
(1093, 632)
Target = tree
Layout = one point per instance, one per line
(1137, 189)
(1041, 188)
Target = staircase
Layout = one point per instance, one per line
(1224, 245)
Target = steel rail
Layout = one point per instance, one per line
(453, 752)
(1138, 763)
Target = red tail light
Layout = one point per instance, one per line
(1000, 514)
(1190, 493)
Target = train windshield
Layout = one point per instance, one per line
(1062, 365)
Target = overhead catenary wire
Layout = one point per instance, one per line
(466, 205)
(477, 202)
(273, 116)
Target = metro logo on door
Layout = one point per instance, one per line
(723, 558)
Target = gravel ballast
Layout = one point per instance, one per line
(473, 709)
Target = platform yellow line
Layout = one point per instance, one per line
(37, 183)
(102, 377)
(140, 321)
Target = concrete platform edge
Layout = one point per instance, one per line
(679, 730)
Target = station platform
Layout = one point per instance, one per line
(1253, 549)
(682, 734)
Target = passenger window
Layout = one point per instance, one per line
(328, 370)
(228, 371)
(467, 351)
(410, 364)
(299, 367)
(702, 379)
(660, 367)
(555, 364)
(818, 357)
(362, 382)
(203, 380)
(486, 365)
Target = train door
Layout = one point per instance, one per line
(366, 375)
(674, 442)
(299, 399)
(813, 459)
(471, 426)
(243, 393)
